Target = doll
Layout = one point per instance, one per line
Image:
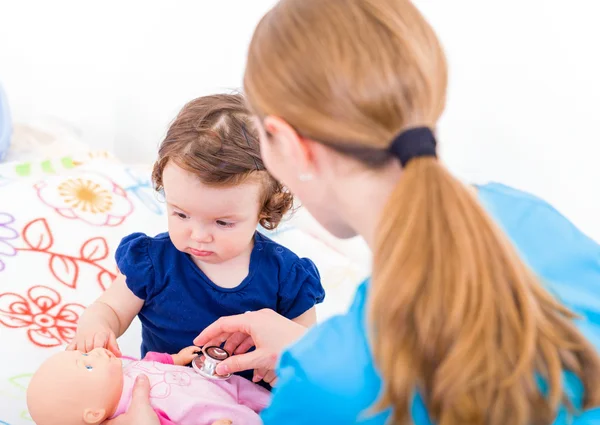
(75, 388)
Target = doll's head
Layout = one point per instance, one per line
(73, 388)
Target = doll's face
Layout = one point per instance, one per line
(76, 388)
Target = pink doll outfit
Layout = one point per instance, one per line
(181, 396)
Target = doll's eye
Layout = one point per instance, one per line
(89, 368)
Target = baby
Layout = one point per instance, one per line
(212, 262)
(75, 388)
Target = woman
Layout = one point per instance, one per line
(454, 327)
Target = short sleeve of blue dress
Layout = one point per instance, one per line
(328, 377)
(300, 290)
(134, 261)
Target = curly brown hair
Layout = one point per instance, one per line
(214, 138)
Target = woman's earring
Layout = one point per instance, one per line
(305, 177)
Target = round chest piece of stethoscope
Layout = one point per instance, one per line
(206, 363)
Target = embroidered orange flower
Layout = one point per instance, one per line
(89, 197)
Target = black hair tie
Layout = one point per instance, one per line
(414, 143)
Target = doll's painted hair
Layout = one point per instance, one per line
(214, 138)
(454, 312)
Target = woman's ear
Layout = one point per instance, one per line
(290, 143)
(94, 416)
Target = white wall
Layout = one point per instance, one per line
(122, 70)
(524, 97)
(523, 105)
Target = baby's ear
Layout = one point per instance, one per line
(94, 416)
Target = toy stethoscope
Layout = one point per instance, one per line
(206, 362)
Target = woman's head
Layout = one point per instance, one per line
(454, 312)
(214, 181)
(348, 74)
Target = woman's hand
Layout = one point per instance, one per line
(140, 412)
(268, 331)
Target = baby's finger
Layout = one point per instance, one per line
(88, 345)
(99, 340)
(80, 345)
(72, 345)
(113, 346)
(192, 349)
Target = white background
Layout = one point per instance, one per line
(524, 97)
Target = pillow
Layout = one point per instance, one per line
(59, 227)
(61, 221)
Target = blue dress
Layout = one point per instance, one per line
(328, 377)
(180, 300)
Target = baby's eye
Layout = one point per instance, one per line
(89, 368)
(223, 223)
(180, 215)
(84, 355)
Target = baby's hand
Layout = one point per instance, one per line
(101, 337)
(185, 356)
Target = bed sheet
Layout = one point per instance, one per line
(60, 223)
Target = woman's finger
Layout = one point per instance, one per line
(234, 341)
(270, 377)
(259, 374)
(224, 325)
(253, 360)
(217, 341)
(140, 411)
(244, 346)
(140, 396)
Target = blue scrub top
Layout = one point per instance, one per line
(328, 377)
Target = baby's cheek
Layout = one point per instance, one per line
(115, 367)
(110, 378)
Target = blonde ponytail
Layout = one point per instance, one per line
(458, 317)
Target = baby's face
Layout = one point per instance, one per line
(71, 382)
(98, 367)
(212, 224)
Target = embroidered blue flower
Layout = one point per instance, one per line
(143, 191)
